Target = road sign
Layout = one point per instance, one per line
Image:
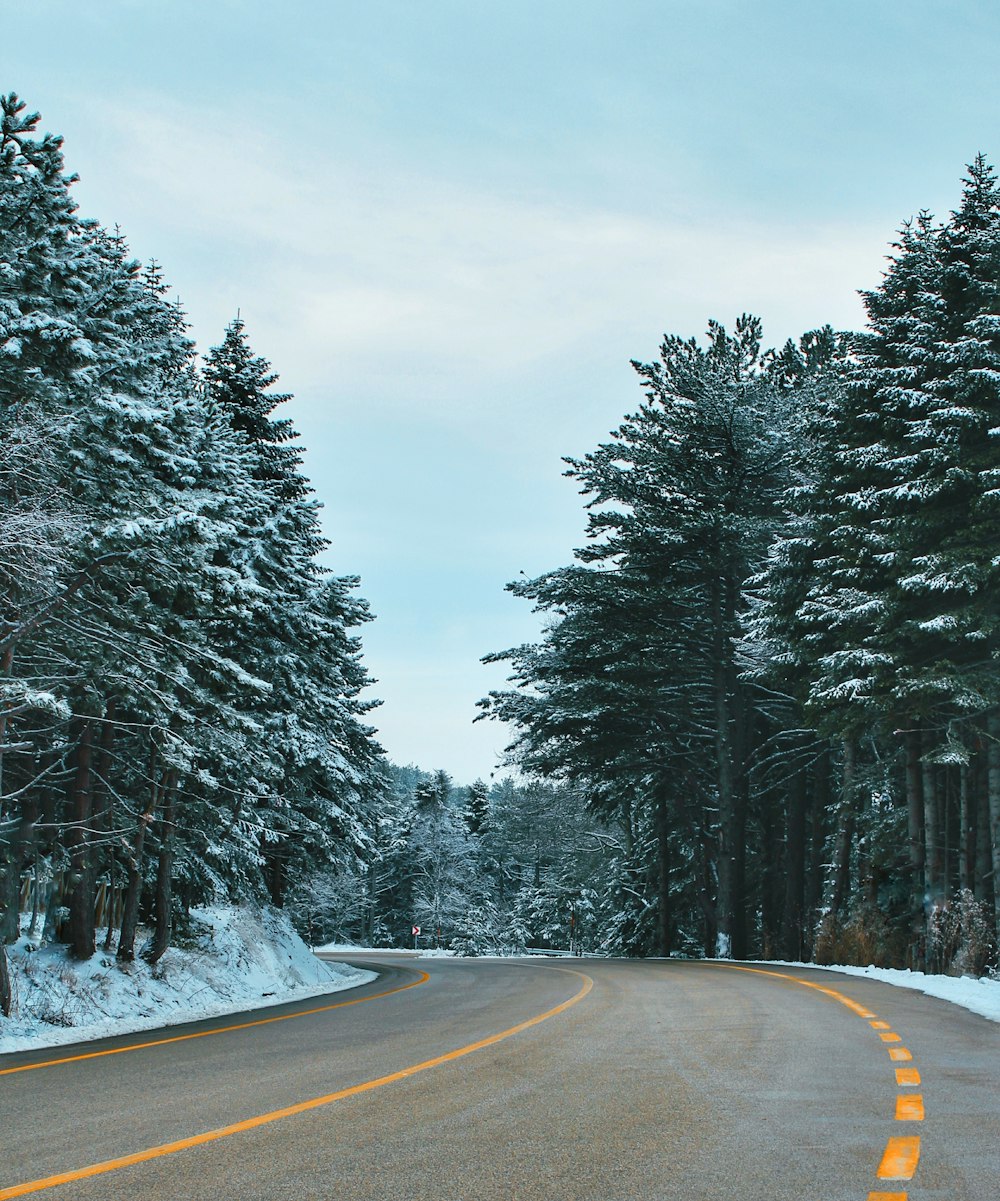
(416, 931)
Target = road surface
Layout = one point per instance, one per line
(530, 1080)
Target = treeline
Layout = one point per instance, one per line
(483, 869)
(774, 665)
(179, 678)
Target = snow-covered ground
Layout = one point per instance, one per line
(981, 995)
(345, 948)
(233, 960)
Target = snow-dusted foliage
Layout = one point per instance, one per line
(483, 869)
(777, 661)
(179, 680)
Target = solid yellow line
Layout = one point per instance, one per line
(264, 1119)
(180, 1038)
(830, 992)
(907, 1076)
(887, 1197)
(909, 1107)
(899, 1161)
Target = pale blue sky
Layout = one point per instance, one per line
(451, 224)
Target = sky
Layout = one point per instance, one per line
(451, 225)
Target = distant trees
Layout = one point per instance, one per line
(776, 660)
(484, 868)
(179, 679)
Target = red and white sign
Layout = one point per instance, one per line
(416, 931)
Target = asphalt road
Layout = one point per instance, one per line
(612, 1080)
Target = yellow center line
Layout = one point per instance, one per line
(909, 1107)
(907, 1076)
(899, 1161)
(879, 1025)
(899, 1054)
(887, 1197)
(887, 1036)
(264, 1119)
(180, 1038)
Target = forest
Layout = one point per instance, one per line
(773, 666)
(762, 718)
(180, 715)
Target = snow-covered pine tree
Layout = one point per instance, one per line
(326, 769)
(778, 650)
(476, 813)
(635, 688)
(897, 631)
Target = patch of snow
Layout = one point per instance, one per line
(233, 960)
(345, 948)
(978, 995)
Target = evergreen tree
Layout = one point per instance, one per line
(325, 766)
(636, 688)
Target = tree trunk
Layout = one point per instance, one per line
(993, 797)
(917, 954)
(83, 942)
(817, 841)
(19, 853)
(164, 872)
(731, 937)
(915, 821)
(983, 885)
(846, 821)
(133, 887)
(772, 819)
(104, 808)
(10, 865)
(967, 831)
(795, 868)
(10, 877)
(933, 850)
(6, 998)
(664, 929)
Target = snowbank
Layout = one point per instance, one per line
(234, 959)
(345, 948)
(980, 996)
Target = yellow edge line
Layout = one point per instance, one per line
(180, 1038)
(264, 1119)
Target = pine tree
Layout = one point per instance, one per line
(325, 768)
(636, 688)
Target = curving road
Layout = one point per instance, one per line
(527, 1080)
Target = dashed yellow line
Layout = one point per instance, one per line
(180, 1038)
(899, 1161)
(901, 1155)
(909, 1107)
(264, 1119)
